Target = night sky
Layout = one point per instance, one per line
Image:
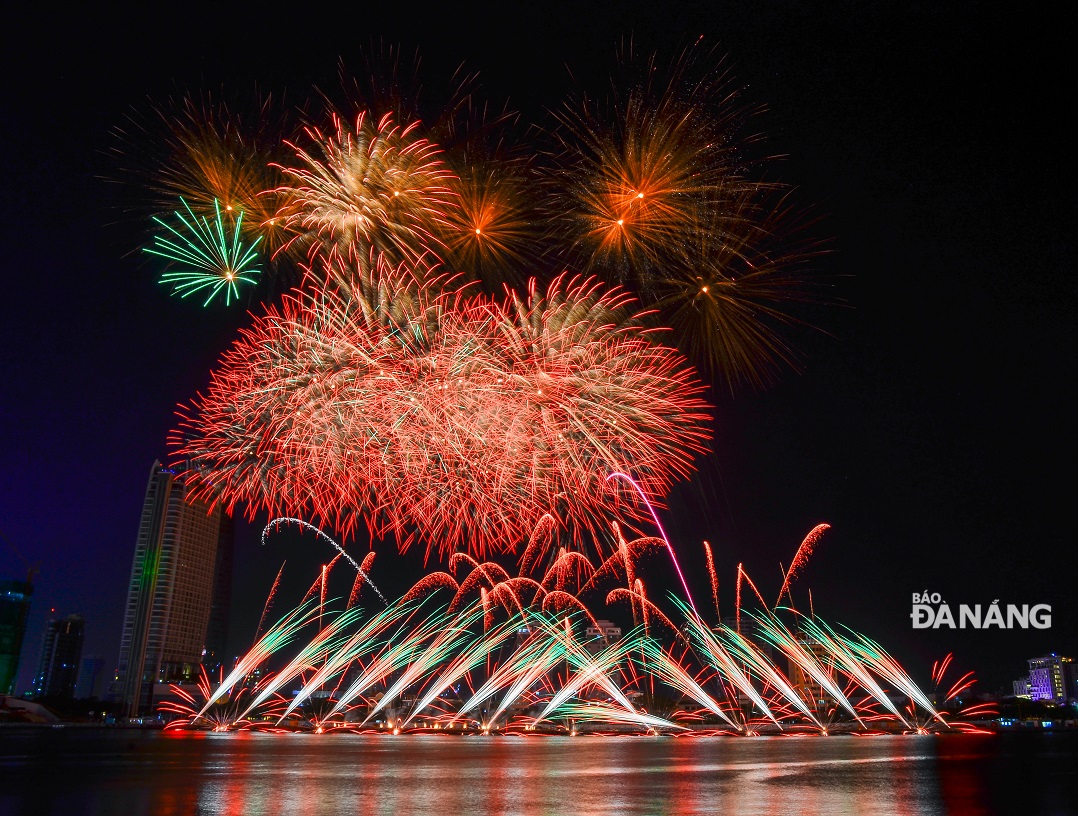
(932, 423)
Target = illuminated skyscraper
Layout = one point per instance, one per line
(177, 601)
(61, 653)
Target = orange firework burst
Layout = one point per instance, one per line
(656, 186)
(738, 287)
(635, 171)
(213, 151)
(489, 234)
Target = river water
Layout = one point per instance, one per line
(75, 771)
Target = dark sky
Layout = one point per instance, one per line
(931, 427)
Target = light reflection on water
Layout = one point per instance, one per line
(75, 771)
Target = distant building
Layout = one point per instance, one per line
(61, 653)
(176, 615)
(1021, 687)
(604, 630)
(802, 681)
(1052, 678)
(14, 609)
(601, 635)
(91, 678)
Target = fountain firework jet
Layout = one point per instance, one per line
(496, 657)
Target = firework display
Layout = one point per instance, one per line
(494, 653)
(492, 352)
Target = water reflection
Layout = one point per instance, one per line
(75, 772)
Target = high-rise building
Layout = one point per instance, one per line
(91, 676)
(177, 601)
(802, 681)
(1050, 678)
(61, 652)
(14, 609)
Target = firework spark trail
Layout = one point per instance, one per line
(744, 576)
(671, 672)
(505, 594)
(714, 578)
(448, 640)
(357, 585)
(359, 644)
(588, 672)
(276, 638)
(621, 565)
(323, 588)
(608, 569)
(592, 669)
(626, 557)
(604, 711)
(773, 631)
(470, 658)
(539, 540)
(535, 649)
(529, 674)
(640, 601)
(595, 671)
(306, 525)
(327, 640)
(224, 718)
(475, 580)
(392, 658)
(519, 584)
(848, 662)
(939, 668)
(429, 583)
(560, 570)
(490, 570)
(801, 558)
(557, 602)
(269, 600)
(725, 663)
(876, 658)
(737, 597)
(744, 650)
(626, 477)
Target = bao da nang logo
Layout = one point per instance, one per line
(932, 612)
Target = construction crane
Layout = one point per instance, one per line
(31, 569)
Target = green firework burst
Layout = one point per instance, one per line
(207, 256)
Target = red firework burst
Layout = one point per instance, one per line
(462, 420)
